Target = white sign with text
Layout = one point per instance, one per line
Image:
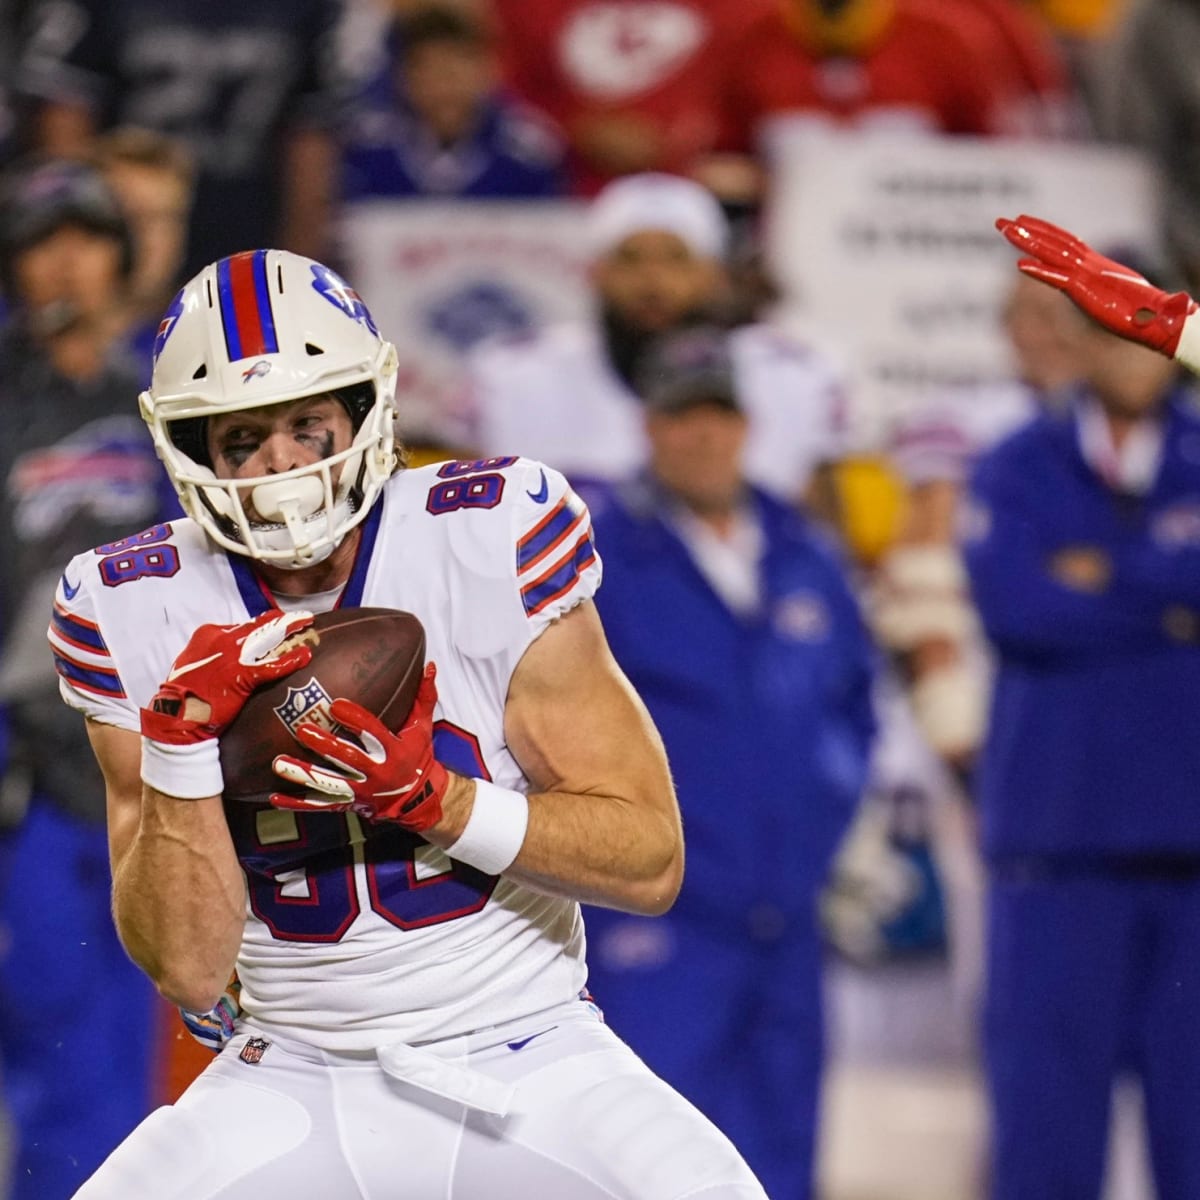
(889, 246)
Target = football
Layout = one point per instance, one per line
(373, 656)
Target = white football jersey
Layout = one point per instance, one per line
(358, 934)
(557, 397)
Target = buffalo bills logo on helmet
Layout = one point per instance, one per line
(168, 323)
(341, 295)
(257, 371)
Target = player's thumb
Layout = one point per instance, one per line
(427, 693)
(284, 664)
(1040, 271)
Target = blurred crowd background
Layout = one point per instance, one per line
(692, 252)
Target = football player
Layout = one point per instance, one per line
(406, 928)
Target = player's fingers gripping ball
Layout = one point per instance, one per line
(220, 667)
(379, 774)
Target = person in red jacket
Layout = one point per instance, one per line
(901, 64)
(641, 87)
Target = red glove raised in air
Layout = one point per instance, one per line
(204, 691)
(390, 777)
(1118, 298)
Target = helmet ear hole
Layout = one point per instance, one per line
(357, 400)
(311, 350)
(201, 372)
(190, 436)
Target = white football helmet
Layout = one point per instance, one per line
(256, 329)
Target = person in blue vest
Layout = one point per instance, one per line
(1082, 542)
(732, 616)
(437, 124)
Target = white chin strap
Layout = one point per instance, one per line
(296, 504)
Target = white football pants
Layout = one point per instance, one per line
(554, 1107)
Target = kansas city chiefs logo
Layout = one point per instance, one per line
(617, 50)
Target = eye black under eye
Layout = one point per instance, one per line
(238, 449)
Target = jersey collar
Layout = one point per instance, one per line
(257, 597)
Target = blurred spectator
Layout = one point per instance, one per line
(1045, 102)
(1083, 547)
(1151, 99)
(567, 395)
(896, 65)
(78, 468)
(642, 87)
(734, 621)
(1082, 18)
(920, 608)
(152, 177)
(446, 129)
(252, 90)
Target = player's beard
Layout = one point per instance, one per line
(627, 342)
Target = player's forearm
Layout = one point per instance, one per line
(179, 899)
(622, 851)
(602, 850)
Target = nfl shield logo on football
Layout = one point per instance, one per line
(253, 1050)
(309, 703)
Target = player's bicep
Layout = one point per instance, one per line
(119, 753)
(575, 724)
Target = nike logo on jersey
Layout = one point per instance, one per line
(175, 672)
(69, 590)
(542, 494)
(525, 1041)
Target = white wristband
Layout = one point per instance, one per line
(495, 829)
(1188, 350)
(191, 772)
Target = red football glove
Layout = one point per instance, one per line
(221, 665)
(391, 777)
(1121, 300)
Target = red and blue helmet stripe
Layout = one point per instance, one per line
(245, 303)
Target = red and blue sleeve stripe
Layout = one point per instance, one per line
(70, 634)
(77, 632)
(245, 302)
(546, 535)
(100, 680)
(538, 593)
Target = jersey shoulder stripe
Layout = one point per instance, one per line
(561, 577)
(548, 535)
(553, 553)
(81, 656)
(75, 631)
(97, 680)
